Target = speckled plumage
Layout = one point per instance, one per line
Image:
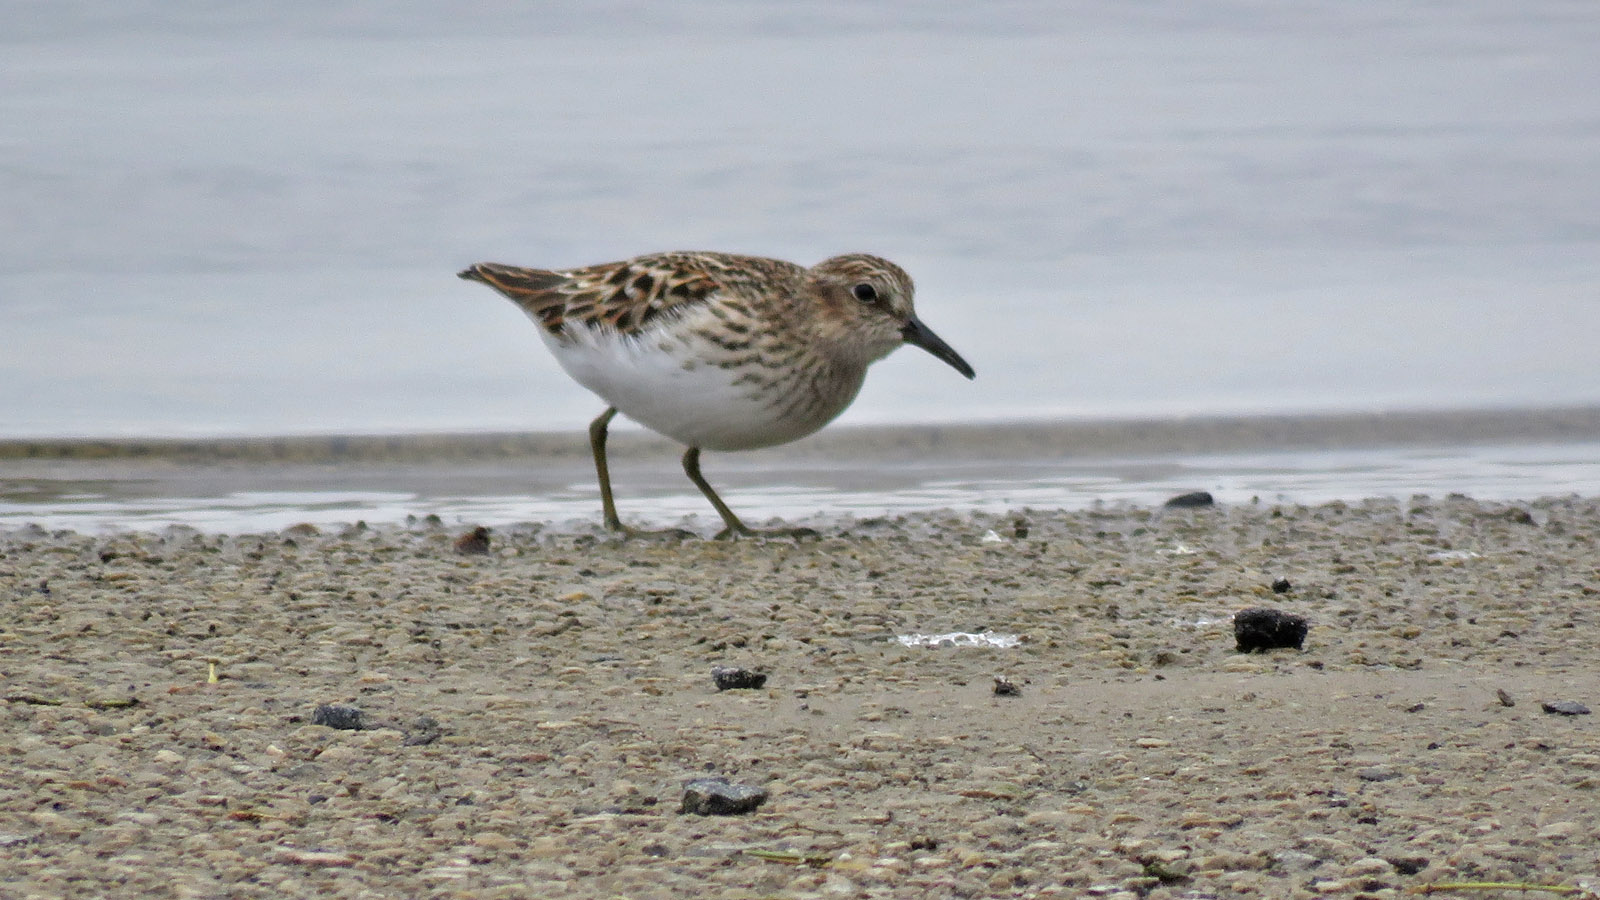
(719, 351)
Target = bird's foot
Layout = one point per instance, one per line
(663, 535)
(798, 534)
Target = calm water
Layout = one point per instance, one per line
(653, 493)
(245, 219)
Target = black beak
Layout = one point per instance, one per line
(920, 335)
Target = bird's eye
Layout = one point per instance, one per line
(866, 293)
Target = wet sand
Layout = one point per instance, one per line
(569, 677)
(254, 484)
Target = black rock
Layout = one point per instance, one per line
(1191, 500)
(1282, 586)
(1005, 687)
(733, 678)
(340, 716)
(1565, 708)
(1259, 630)
(716, 797)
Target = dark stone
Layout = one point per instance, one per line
(340, 716)
(1518, 516)
(1191, 500)
(733, 678)
(1005, 687)
(1019, 529)
(1565, 708)
(716, 797)
(475, 541)
(1282, 586)
(424, 731)
(1258, 630)
(1407, 865)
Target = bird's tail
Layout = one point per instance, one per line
(536, 291)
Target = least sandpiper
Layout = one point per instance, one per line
(718, 352)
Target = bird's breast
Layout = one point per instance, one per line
(705, 387)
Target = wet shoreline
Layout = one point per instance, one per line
(252, 485)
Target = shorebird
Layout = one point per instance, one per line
(717, 351)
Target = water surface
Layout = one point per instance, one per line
(245, 219)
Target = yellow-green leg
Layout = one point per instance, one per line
(691, 467)
(597, 443)
(734, 528)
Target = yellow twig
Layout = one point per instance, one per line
(815, 861)
(1442, 886)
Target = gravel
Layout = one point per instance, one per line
(558, 688)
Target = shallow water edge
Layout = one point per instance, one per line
(265, 484)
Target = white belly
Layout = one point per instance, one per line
(660, 381)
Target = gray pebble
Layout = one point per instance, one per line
(424, 731)
(716, 797)
(340, 716)
(734, 678)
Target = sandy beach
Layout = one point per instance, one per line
(532, 713)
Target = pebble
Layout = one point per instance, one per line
(1005, 687)
(1369, 866)
(199, 786)
(1191, 500)
(734, 678)
(1295, 860)
(719, 797)
(340, 716)
(1258, 630)
(474, 542)
(425, 730)
(1377, 773)
(1557, 831)
(1407, 865)
(1565, 708)
(314, 857)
